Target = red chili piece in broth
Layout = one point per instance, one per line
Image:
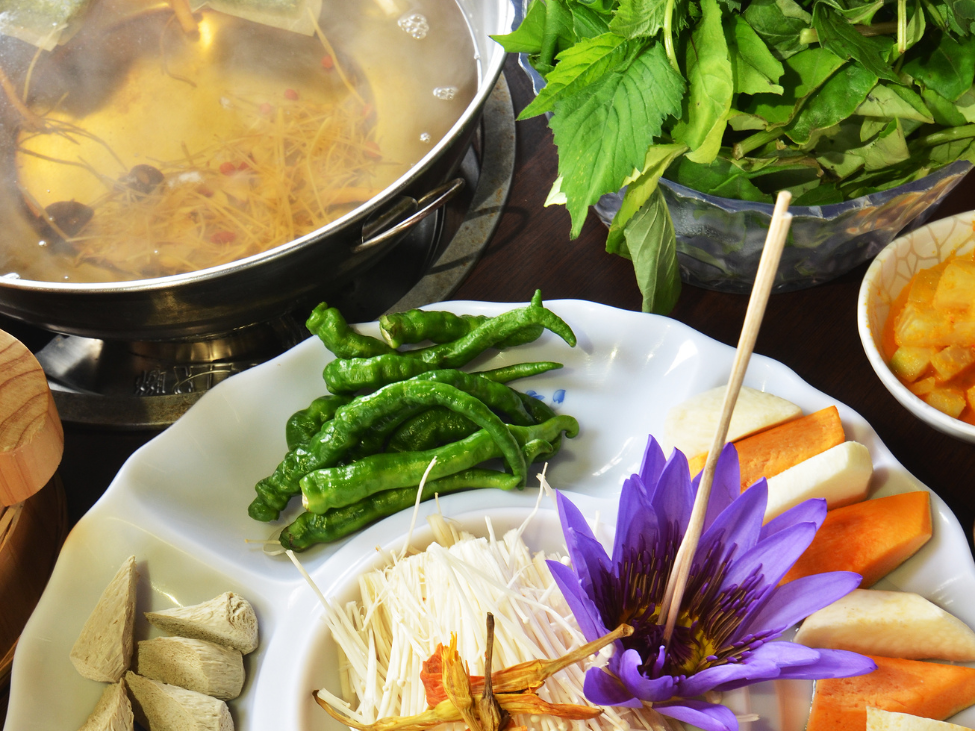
(223, 237)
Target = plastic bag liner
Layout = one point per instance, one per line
(720, 240)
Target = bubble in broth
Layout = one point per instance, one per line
(415, 25)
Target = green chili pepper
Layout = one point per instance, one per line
(305, 424)
(350, 375)
(333, 487)
(329, 325)
(433, 427)
(417, 326)
(353, 421)
(513, 372)
(493, 331)
(430, 429)
(541, 412)
(309, 528)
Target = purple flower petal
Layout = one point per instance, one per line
(585, 612)
(708, 716)
(808, 511)
(653, 462)
(580, 543)
(795, 601)
(832, 664)
(605, 689)
(764, 663)
(642, 687)
(671, 498)
(773, 557)
(739, 524)
(726, 486)
(635, 519)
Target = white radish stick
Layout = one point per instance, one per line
(769, 264)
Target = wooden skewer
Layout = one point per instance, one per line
(769, 264)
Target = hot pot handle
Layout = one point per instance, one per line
(427, 205)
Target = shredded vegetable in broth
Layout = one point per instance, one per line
(157, 143)
(290, 171)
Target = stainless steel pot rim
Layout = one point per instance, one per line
(485, 86)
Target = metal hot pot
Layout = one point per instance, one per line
(221, 299)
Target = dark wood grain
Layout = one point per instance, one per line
(813, 331)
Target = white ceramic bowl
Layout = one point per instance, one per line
(886, 277)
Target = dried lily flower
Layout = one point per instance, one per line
(457, 694)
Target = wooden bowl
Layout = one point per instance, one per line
(28, 550)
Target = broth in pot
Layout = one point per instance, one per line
(152, 148)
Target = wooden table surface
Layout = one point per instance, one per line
(812, 331)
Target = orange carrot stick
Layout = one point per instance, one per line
(775, 450)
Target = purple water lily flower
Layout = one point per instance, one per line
(732, 609)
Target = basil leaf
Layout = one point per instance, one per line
(836, 34)
(805, 72)
(835, 101)
(711, 87)
(756, 70)
(943, 110)
(527, 37)
(871, 127)
(823, 195)
(652, 246)
(779, 23)
(861, 13)
(888, 149)
(943, 64)
(640, 188)
(895, 101)
(604, 128)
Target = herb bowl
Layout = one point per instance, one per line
(720, 240)
(885, 279)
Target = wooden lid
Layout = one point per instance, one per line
(31, 437)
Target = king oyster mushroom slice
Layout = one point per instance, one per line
(192, 664)
(103, 650)
(113, 712)
(163, 707)
(226, 620)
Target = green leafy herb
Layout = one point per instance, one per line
(829, 99)
(652, 246)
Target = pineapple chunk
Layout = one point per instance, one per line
(922, 326)
(923, 387)
(970, 397)
(963, 329)
(956, 288)
(909, 363)
(924, 286)
(946, 399)
(951, 361)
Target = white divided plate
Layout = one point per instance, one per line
(180, 506)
